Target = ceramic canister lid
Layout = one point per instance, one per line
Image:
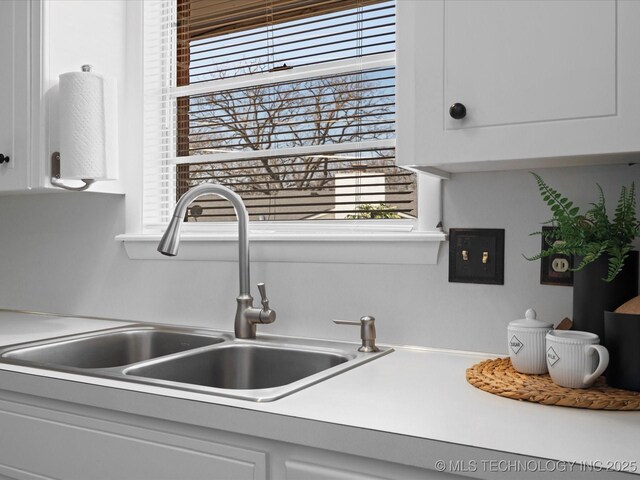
(530, 321)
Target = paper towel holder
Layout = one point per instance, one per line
(55, 176)
(55, 162)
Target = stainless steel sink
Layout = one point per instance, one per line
(194, 360)
(243, 366)
(110, 349)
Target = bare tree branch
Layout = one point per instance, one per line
(320, 111)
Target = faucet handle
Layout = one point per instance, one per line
(266, 315)
(367, 332)
(263, 295)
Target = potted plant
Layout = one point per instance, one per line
(605, 264)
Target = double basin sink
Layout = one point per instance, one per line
(194, 360)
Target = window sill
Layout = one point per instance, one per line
(395, 248)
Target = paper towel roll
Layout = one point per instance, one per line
(88, 128)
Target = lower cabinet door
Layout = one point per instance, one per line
(310, 471)
(313, 464)
(61, 446)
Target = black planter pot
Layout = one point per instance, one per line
(592, 295)
(622, 331)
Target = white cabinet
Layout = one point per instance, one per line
(544, 83)
(316, 464)
(39, 40)
(48, 440)
(14, 99)
(43, 443)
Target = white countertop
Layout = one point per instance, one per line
(418, 393)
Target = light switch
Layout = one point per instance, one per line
(476, 255)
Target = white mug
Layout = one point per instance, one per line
(575, 359)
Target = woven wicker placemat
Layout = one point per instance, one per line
(499, 377)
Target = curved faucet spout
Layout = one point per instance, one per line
(247, 317)
(171, 239)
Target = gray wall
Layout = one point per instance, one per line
(58, 254)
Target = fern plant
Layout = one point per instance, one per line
(592, 234)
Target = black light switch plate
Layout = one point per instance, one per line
(476, 255)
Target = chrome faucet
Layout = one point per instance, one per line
(247, 317)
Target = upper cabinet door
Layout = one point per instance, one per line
(6, 78)
(542, 83)
(14, 115)
(529, 61)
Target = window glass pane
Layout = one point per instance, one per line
(318, 111)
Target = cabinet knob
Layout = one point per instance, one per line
(458, 111)
(3, 159)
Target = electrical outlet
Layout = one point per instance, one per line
(560, 265)
(556, 269)
(476, 255)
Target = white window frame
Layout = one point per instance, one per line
(384, 242)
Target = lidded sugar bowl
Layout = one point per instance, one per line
(526, 343)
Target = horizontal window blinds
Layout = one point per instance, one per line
(360, 184)
(273, 42)
(212, 18)
(291, 103)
